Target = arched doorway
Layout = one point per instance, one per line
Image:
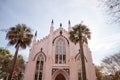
(60, 77)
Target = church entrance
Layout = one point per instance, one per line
(60, 77)
(60, 74)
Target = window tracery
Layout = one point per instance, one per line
(60, 52)
(39, 68)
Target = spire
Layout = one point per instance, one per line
(60, 24)
(51, 27)
(35, 36)
(69, 25)
(69, 22)
(52, 22)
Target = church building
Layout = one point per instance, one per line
(55, 57)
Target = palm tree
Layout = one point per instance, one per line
(20, 36)
(80, 34)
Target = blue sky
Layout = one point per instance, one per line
(38, 14)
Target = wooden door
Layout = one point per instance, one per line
(60, 77)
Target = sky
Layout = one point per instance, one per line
(38, 14)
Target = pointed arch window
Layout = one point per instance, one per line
(78, 62)
(60, 52)
(39, 68)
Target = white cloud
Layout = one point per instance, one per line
(38, 14)
(105, 43)
(105, 46)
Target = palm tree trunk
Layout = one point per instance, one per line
(14, 62)
(82, 60)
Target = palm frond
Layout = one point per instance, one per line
(20, 34)
(77, 30)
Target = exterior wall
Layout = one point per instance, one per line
(89, 65)
(46, 46)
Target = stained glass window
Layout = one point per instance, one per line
(60, 52)
(39, 68)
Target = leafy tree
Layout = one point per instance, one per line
(5, 61)
(99, 74)
(79, 34)
(19, 68)
(117, 75)
(5, 64)
(21, 37)
(20, 63)
(112, 8)
(111, 66)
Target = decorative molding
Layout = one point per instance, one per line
(58, 37)
(57, 69)
(40, 52)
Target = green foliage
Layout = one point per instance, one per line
(5, 64)
(5, 61)
(79, 34)
(20, 36)
(20, 67)
(111, 66)
(99, 74)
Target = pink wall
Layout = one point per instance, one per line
(49, 50)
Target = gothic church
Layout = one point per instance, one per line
(55, 57)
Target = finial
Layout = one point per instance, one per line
(52, 22)
(52, 27)
(36, 33)
(60, 32)
(41, 49)
(69, 22)
(60, 24)
(69, 25)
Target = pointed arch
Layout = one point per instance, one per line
(60, 77)
(60, 51)
(59, 37)
(77, 55)
(39, 67)
(61, 72)
(78, 63)
(39, 53)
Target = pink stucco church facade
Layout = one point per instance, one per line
(55, 57)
